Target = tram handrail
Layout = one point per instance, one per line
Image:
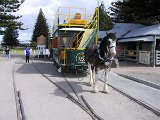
(67, 16)
(92, 24)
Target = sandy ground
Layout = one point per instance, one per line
(44, 101)
(143, 72)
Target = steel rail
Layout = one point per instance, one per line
(140, 102)
(91, 112)
(18, 100)
(21, 106)
(69, 96)
(81, 98)
(89, 107)
(71, 87)
(83, 107)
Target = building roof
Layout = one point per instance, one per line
(144, 39)
(127, 32)
(41, 40)
(121, 29)
(101, 34)
(144, 31)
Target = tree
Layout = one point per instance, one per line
(136, 11)
(10, 37)
(104, 19)
(120, 12)
(41, 27)
(7, 8)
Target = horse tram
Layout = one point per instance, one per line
(72, 33)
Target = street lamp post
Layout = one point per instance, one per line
(97, 22)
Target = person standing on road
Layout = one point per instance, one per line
(7, 50)
(27, 53)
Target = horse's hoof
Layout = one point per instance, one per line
(106, 63)
(95, 91)
(91, 84)
(106, 91)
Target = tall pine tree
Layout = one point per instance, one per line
(41, 27)
(7, 19)
(10, 37)
(104, 19)
(121, 12)
(136, 11)
(9, 22)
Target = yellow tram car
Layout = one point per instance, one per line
(72, 33)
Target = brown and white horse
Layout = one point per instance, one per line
(101, 58)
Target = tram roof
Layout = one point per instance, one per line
(72, 29)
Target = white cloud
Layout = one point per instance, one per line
(33, 6)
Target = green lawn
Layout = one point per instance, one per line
(14, 51)
(17, 51)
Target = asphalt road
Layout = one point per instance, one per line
(44, 101)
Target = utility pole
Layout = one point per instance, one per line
(98, 15)
(97, 22)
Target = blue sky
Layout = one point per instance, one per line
(30, 9)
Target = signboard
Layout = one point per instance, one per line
(144, 57)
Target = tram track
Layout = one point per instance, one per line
(140, 102)
(78, 100)
(18, 99)
(81, 100)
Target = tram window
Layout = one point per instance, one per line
(64, 42)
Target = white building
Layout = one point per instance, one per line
(138, 43)
(41, 50)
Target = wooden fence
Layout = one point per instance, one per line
(145, 57)
(157, 57)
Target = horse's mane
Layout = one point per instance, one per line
(103, 44)
(105, 41)
(99, 53)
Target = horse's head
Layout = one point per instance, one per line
(111, 45)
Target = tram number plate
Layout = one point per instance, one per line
(80, 58)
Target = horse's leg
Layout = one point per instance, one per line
(91, 74)
(95, 79)
(106, 89)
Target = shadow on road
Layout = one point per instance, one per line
(50, 70)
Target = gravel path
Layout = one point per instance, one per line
(44, 101)
(143, 72)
